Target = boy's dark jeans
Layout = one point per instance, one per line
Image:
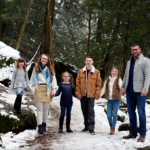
(87, 107)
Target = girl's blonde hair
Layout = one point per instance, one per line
(118, 77)
(71, 78)
(37, 67)
(21, 60)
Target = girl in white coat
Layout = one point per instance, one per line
(44, 81)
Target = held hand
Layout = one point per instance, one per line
(123, 92)
(79, 97)
(53, 95)
(143, 93)
(96, 98)
(27, 89)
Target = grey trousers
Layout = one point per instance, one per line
(87, 107)
(42, 111)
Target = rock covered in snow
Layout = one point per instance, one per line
(8, 57)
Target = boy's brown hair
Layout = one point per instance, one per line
(88, 56)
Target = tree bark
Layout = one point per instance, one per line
(89, 28)
(45, 48)
(1, 9)
(105, 65)
(107, 59)
(23, 26)
(125, 42)
(51, 33)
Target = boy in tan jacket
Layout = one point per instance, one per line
(88, 88)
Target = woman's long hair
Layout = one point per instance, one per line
(37, 67)
(118, 77)
(71, 78)
(21, 60)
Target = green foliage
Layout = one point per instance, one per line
(115, 25)
(1, 146)
(105, 110)
(124, 127)
(25, 122)
(121, 118)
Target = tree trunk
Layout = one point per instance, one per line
(51, 33)
(106, 61)
(89, 28)
(23, 26)
(125, 46)
(71, 36)
(105, 65)
(1, 9)
(45, 49)
(125, 52)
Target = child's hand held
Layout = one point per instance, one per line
(79, 97)
(52, 95)
(27, 89)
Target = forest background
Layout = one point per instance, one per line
(68, 30)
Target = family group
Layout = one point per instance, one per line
(135, 85)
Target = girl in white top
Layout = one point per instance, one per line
(44, 81)
(111, 89)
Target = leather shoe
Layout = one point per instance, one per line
(130, 136)
(85, 129)
(141, 139)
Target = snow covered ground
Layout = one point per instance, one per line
(101, 140)
(11, 141)
(80, 140)
(69, 141)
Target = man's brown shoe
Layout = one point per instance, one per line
(141, 139)
(130, 136)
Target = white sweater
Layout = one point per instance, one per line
(42, 79)
(111, 83)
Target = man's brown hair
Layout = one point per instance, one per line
(135, 45)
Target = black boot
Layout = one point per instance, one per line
(68, 125)
(17, 105)
(61, 125)
(85, 129)
(44, 126)
(14, 111)
(40, 128)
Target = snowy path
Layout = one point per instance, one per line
(101, 140)
(52, 140)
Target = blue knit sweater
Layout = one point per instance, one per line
(67, 92)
